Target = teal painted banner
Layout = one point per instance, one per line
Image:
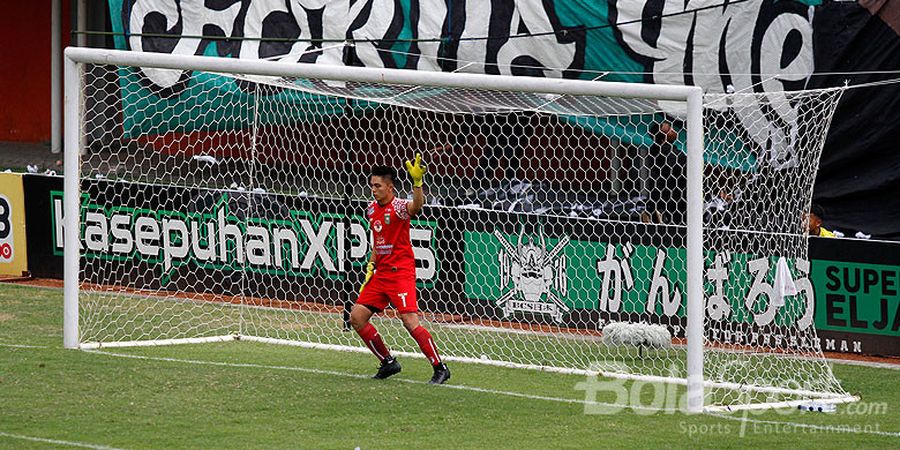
(590, 40)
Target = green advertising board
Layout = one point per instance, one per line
(632, 279)
(857, 297)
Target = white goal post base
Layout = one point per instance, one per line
(156, 343)
(807, 396)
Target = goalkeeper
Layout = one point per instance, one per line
(391, 271)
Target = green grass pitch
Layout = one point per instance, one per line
(251, 395)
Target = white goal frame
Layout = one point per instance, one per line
(692, 96)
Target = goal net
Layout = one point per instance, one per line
(231, 205)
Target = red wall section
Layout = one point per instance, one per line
(25, 68)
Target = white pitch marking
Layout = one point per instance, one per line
(22, 345)
(55, 441)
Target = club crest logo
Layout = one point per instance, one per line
(387, 218)
(534, 276)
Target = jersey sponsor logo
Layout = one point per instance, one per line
(400, 207)
(377, 226)
(370, 212)
(537, 275)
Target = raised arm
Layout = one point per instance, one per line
(417, 173)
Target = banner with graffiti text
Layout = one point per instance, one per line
(573, 39)
(722, 46)
(612, 41)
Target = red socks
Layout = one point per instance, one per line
(373, 340)
(423, 338)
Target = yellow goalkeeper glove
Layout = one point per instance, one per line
(370, 270)
(416, 171)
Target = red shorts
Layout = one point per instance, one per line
(396, 288)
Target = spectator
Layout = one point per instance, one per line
(814, 222)
(667, 201)
(505, 144)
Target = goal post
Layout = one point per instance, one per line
(72, 171)
(694, 194)
(212, 185)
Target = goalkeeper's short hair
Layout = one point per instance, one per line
(384, 171)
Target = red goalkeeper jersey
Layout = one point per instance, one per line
(390, 233)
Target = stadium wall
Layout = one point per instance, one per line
(25, 78)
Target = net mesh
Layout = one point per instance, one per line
(553, 233)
